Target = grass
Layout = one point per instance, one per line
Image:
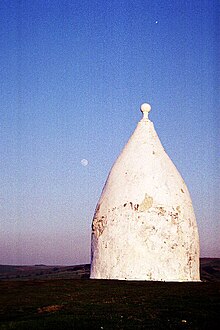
(101, 304)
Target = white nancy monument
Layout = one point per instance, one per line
(144, 227)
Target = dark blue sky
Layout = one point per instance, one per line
(73, 76)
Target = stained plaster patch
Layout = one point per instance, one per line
(98, 223)
(146, 204)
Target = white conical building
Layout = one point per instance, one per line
(144, 227)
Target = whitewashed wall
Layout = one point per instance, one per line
(144, 227)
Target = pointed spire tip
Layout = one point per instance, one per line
(145, 108)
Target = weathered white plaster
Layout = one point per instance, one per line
(144, 227)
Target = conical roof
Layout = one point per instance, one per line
(144, 225)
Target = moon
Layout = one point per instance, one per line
(84, 162)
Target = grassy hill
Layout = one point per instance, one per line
(54, 297)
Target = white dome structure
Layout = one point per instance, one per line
(144, 227)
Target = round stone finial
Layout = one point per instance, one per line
(145, 108)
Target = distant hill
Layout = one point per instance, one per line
(209, 270)
(8, 272)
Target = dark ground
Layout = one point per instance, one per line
(57, 297)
